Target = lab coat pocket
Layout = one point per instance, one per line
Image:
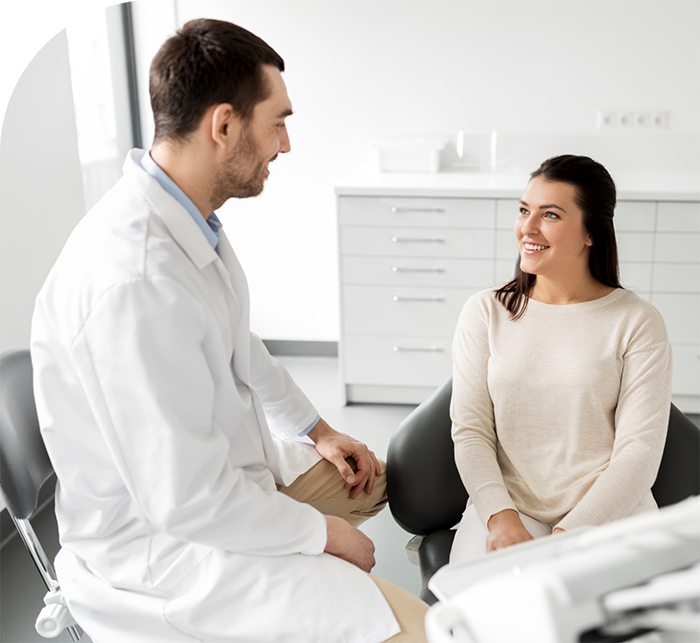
(181, 567)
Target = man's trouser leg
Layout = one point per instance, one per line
(324, 489)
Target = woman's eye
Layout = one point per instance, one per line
(523, 212)
(551, 215)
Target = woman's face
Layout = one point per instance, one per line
(550, 231)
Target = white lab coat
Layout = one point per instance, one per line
(154, 399)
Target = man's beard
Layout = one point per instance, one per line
(235, 178)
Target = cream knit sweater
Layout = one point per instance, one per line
(563, 413)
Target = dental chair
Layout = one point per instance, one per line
(25, 469)
(427, 497)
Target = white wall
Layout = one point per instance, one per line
(41, 193)
(536, 71)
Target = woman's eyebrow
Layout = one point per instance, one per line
(547, 206)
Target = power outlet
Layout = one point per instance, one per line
(632, 119)
(660, 119)
(607, 119)
(626, 119)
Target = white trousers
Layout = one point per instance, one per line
(470, 539)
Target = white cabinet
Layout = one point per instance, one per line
(676, 293)
(407, 266)
(410, 256)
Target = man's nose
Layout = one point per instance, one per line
(285, 144)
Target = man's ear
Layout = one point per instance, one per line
(225, 126)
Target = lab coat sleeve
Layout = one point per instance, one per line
(641, 423)
(150, 362)
(471, 410)
(288, 410)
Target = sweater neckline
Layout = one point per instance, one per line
(584, 306)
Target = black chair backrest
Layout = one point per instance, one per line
(426, 493)
(24, 463)
(679, 472)
(425, 490)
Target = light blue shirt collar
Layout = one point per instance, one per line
(209, 226)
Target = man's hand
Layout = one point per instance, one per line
(506, 529)
(348, 543)
(336, 447)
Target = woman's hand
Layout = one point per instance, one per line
(506, 529)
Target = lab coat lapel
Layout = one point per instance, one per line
(230, 265)
(232, 272)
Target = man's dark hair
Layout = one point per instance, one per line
(205, 63)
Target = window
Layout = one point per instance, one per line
(99, 62)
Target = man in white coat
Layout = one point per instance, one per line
(188, 509)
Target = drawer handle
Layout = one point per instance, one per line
(431, 299)
(406, 349)
(417, 239)
(398, 209)
(402, 269)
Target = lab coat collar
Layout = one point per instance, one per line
(190, 238)
(179, 222)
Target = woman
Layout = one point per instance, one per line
(562, 379)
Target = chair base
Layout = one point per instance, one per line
(433, 554)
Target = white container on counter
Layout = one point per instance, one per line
(409, 155)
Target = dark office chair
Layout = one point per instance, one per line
(427, 497)
(24, 468)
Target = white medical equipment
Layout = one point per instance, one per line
(638, 575)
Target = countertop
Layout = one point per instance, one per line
(631, 185)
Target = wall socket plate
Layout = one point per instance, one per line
(650, 119)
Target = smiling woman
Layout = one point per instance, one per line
(565, 232)
(561, 378)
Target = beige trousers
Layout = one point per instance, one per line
(324, 489)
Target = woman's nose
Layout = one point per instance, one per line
(527, 226)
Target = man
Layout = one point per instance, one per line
(187, 508)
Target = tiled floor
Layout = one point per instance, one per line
(21, 590)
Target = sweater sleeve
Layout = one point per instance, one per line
(471, 410)
(641, 422)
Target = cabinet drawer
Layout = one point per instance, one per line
(678, 217)
(396, 361)
(506, 245)
(672, 247)
(413, 271)
(635, 216)
(505, 269)
(636, 276)
(402, 311)
(677, 277)
(686, 370)
(635, 246)
(507, 211)
(681, 313)
(416, 242)
(419, 212)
